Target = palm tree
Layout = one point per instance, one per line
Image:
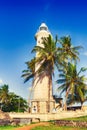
(79, 95)
(4, 93)
(47, 58)
(30, 72)
(67, 50)
(73, 83)
(50, 54)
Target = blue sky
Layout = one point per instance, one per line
(20, 20)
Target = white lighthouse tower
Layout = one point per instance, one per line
(40, 86)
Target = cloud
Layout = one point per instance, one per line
(1, 82)
(85, 53)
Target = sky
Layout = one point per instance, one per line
(20, 20)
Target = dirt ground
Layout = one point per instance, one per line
(33, 126)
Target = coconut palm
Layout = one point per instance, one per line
(80, 91)
(30, 72)
(67, 50)
(4, 93)
(79, 95)
(50, 54)
(73, 83)
(47, 58)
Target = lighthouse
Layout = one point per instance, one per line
(40, 86)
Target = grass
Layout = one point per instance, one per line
(54, 127)
(51, 127)
(83, 118)
(8, 127)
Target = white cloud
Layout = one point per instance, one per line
(1, 82)
(85, 53)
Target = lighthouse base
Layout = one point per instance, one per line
(42, 106)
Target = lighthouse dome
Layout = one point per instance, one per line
(44, 27)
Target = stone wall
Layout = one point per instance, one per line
(17, 121)
(20, 121)
(4, 122)
(50, 116)
(71, 123)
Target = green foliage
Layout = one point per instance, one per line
(59, 53)
(73, 83)
(53, 52)
(68, 51)
(10, 101)
(47, 57)
(30, 72)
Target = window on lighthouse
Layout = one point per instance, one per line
(43, 28)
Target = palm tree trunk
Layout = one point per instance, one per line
(65, 103)
(82, 106)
